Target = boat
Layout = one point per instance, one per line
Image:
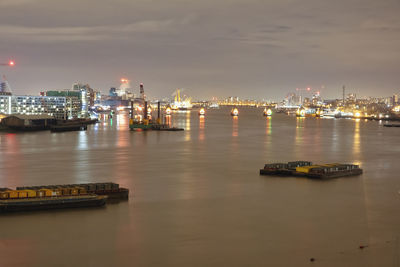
(307, 169)
(267, 112)
(235, 112)
(109, 189)
(26, 203)
(68, 127)
(202, 112)
(391, 125)
(300, 112)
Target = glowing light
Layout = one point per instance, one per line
(202, 111)
(308, 88)
(168, 111)
(11, 63)
(123, 80)
(267, 112)
(301, 113)
(357, 114)
(235, 112)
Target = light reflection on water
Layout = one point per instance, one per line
(201, 127)
(197, 194)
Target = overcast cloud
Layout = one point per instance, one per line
(254, 49)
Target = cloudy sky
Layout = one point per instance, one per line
(246, 48)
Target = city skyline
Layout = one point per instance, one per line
(246, 49)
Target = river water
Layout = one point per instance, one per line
(197, 198)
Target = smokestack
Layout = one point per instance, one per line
(141, 91)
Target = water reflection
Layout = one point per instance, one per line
(122, 121)
(356, 140)
(201, 127)
(235, 132)
(268, 125)
(12, 160)
(168, 120)
(82, 158)
(299, 140)
(187, 127)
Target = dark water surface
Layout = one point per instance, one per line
(197, 198)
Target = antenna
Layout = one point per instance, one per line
(344, 90)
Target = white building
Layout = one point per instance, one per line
(33, 105)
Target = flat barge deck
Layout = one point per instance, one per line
(112, 190)
(307, 169)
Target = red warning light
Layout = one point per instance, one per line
(11, 63)
(308, 88)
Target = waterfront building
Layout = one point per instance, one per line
(87, 97)
(33, 105)
(73, 104)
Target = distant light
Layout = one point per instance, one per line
(308, 88)
(11, 63)
(123, 80)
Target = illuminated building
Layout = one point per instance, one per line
(87, 97)
(395, 100)
(73, 102)
(33, 105)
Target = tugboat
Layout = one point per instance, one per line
(202, 112)
(267, 112)
(235, 112)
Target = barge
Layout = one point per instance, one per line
(109, 189)
(68, 127)
(45, 203)
(307, 169)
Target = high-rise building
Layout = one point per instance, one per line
(395, 100)
(87, 97)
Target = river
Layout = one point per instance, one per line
(197, 198)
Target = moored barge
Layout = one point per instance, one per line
(109, 189)
(307, 169)
(45, 203)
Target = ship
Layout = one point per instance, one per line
(235, 112)
(267, 112)
(307, 169)
(300, 112)
(202, 112)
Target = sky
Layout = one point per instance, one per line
(256, 49)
